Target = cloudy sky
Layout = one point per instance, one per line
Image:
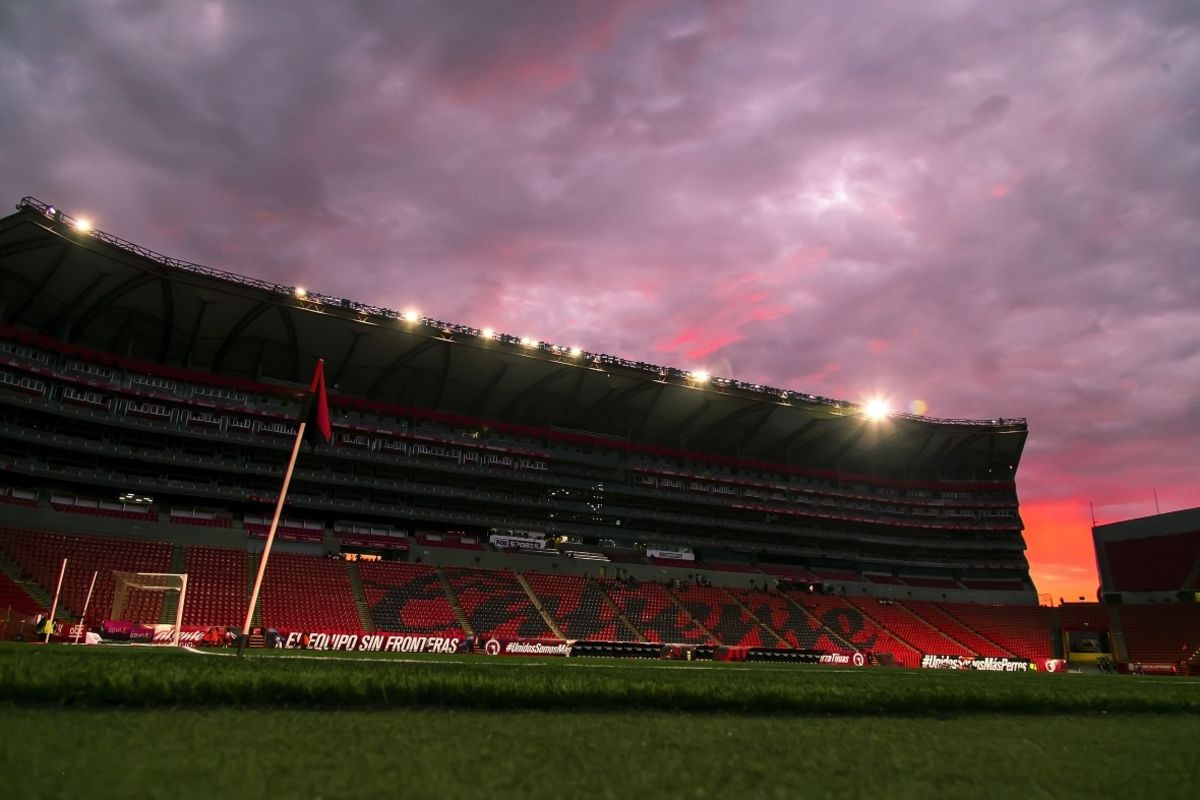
(977, 209)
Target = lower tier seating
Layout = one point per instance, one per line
(1165, 634)
(496, 604)
(216, 594)
(308, 593)
(1023, 630)
(654, 613)
(716, 610)
(955, 629)
(578, 607)
(13, 597)
(788, 620)
(408, 597)
(909, 628)
(39, 554)
(849, 623)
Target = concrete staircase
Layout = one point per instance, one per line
(774, 635)
(537, 603)
(976, 631)
(30, 588)
(252, 560)
(452, 598)
(1116, 631)
(712, 639)
(638, 636)
(171, 599)
(833, 636)
(360, 596)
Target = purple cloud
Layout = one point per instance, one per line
(993, 211)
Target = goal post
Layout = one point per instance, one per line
(133, 587)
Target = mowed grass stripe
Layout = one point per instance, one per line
(144, 678)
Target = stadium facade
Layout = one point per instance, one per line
(1150, 559)
(127, 376)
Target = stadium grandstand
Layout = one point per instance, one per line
(477, 484)
(1150, 577)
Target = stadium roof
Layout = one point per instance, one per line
(63, 279)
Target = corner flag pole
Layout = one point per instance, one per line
(266, 553)
(321, 409)
(54, 604)
(86, 603)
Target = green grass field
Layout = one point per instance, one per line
(139, 722)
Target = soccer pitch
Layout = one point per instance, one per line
(141, 722)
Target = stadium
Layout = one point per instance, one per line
(483, 495)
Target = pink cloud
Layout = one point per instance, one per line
(1001, 222)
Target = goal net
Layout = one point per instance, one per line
(144, 596)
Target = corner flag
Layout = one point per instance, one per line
(316, 409)
(314, 426)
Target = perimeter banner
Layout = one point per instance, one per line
(839, 658)
(981, 663)
(526, 647)
(381, 642)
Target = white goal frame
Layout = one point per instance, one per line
(151, 582)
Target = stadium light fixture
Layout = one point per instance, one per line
(876, 409)
(410, 315)
(528, 341)
(488, 333)
(300, 292)
(576, 352)
(700, 376)
(83, 225)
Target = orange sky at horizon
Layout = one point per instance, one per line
(1062, 559)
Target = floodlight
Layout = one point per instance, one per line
(876, 409)
(410, 315)
(700, 376)
(300, 292)
(83, 225)
(488, 333)
(576, 352)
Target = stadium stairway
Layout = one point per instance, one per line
(1116, 632)
(1017, 629)
(455, 606)
(537, 603)
(1056, 634)
(251, 572)
(952, 628)
(782, 618)
(899, 621)
(679, 604)
(638, 636)
(171, 599)
(821, 625)
(360, 597)
(771, 631)
(36, 597)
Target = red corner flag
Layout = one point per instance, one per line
(316, 409)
